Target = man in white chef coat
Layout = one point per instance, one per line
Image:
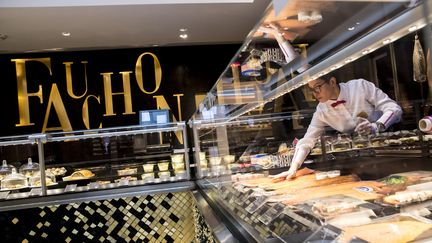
(344, 107)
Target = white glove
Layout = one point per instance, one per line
(364, 126)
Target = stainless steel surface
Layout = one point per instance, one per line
(41, 155)
(219, 230)
(23, 201)
(186, 150)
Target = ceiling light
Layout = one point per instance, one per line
(155, 45)
(365, 52)
(66, 34)
(183, 29)
(183, 36)
(3, 36)
(348, 60)
(351, 28)
(412, 28)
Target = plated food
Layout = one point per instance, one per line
(57, 171)
(79, 175)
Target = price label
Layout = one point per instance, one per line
(243, 197)
(271, 214)
(93, 185)
(3, 195)
(35, 192)
(123, 183)
(70, 188)
(256, 204)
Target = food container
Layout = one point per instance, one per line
(203, 163)
(178, 166)
(148, 168)
(29, 169)
(229, 159)
(321, 175)
(163, 166)
(57, 171)
(177, 158)
(127, 171)
(147, 176)
(215, 161)
(5, 169)
(333, 173)
(164, 175)
(35, 180)
(202, 156)
(14, 181)
(342, 143)
(360, 141)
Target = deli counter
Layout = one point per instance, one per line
(353, 185)
(112, 184)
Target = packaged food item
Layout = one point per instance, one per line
(397, 228)
(360, 141)
(178, 166)
(229, 159)
(127, 171)
(163, 166)
(148, 168)
(342, 143)
(215, 161)
(177, 158)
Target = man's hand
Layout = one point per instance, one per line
(364, 126)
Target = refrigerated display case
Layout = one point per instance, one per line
(93, 164)
(354, 185)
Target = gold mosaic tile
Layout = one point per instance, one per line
(15, 221)
(25, 241)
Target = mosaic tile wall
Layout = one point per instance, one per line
(151, 218)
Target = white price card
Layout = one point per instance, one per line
(70, 188)
(145, 116)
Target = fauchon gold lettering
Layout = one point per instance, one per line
(23, 94)
(139, 73)
(85, 111)
(109, 109)
(56, 101)
(69, 84)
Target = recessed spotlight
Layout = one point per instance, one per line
(351, 28)
(348, 60)
(412, 28)
(365, 52)
(183, 29)
(183, 36)
(3, 36)
(66, 34)
(155, 45)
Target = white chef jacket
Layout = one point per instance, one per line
(355, 96)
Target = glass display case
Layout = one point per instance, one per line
(336, 89)
(93, 162)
